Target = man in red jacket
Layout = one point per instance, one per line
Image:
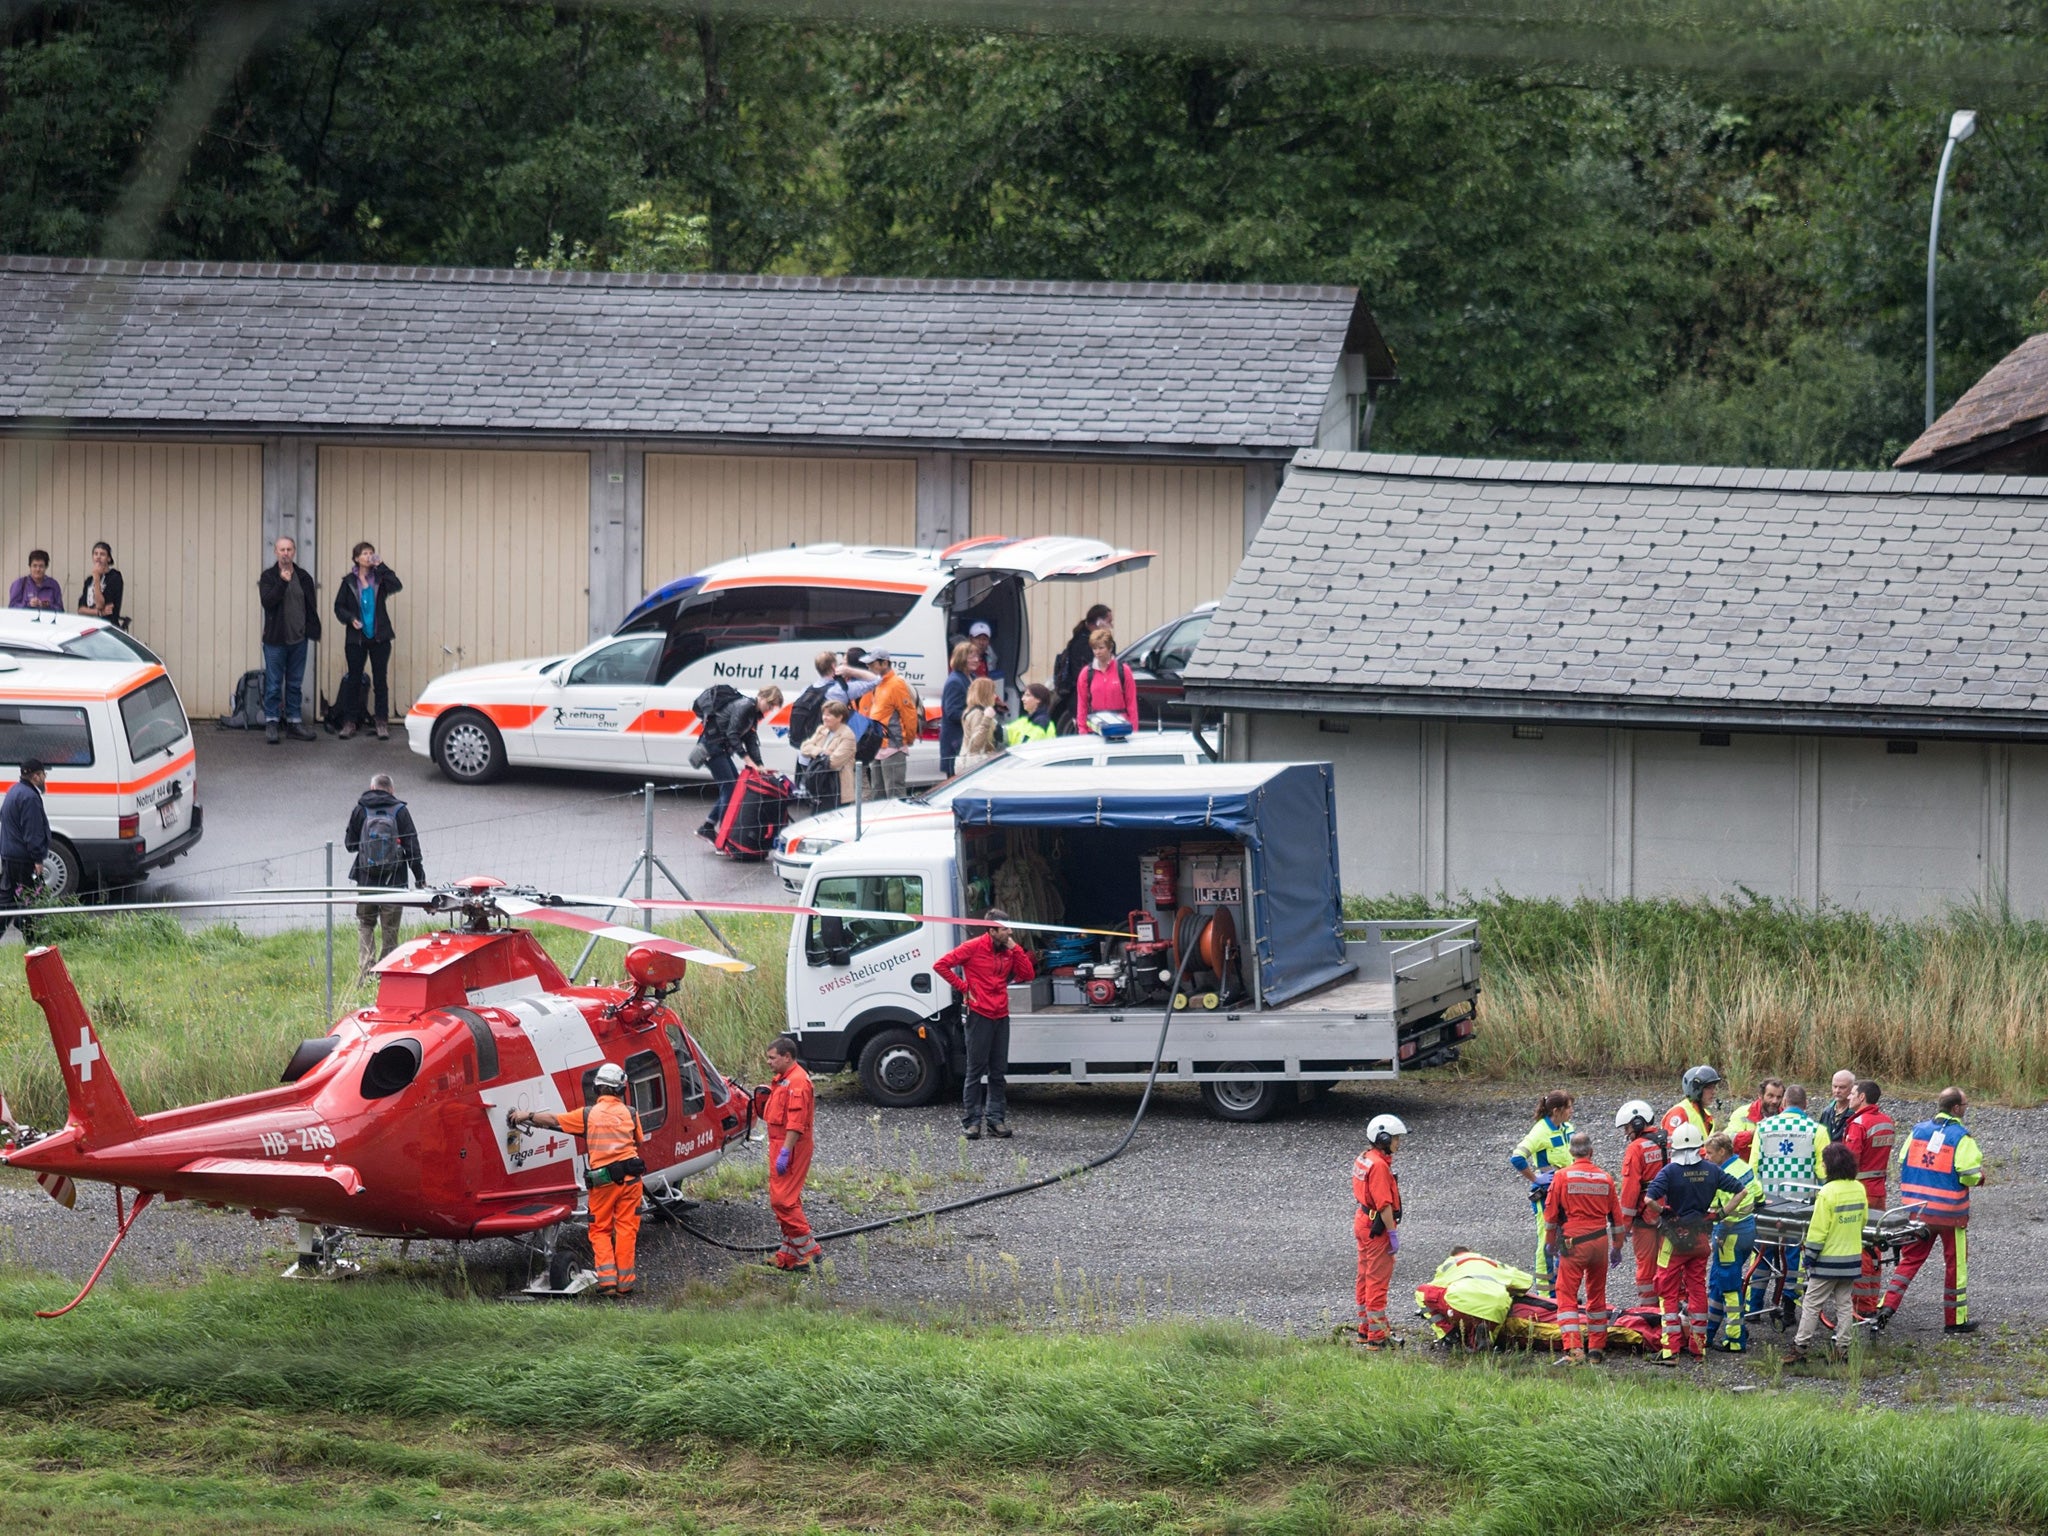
(982, 970)
(1870, 1134)
(1583, 1218)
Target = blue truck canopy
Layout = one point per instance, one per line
(1285, 815)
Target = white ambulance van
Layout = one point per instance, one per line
(623, 704)
(121, 791)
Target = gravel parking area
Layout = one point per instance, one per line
(1199, 1218)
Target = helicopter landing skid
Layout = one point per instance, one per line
(555, 1273)
(320, 1255)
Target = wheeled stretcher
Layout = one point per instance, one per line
(1773, 1276)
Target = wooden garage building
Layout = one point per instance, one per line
(535, 450)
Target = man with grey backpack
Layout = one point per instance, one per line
(386, 844)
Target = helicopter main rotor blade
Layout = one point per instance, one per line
(416, 898)
(517, 906)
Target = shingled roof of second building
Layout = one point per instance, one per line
(856, 359)
(1448, 587)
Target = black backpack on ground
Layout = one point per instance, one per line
(709, 705)
(245, 704)
(805, 714)
(348, 704)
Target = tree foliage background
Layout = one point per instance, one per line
(1570, 262)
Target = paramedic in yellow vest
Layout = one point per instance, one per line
(1834, 1253)
(612, 1141)
(1469, 1297)
(1538, 1158)
(1034, 721)
(1941, 1166)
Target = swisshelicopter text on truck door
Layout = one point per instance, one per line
(623, 704)
(394, 1124)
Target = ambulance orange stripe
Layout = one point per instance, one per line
(89, 695)
(852, 582)
(103, 787)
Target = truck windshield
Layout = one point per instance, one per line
(153, 718)
(738, 616)
(865, 893)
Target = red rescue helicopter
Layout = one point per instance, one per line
(393, 1125)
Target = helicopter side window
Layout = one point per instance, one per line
(686, 1071)
(650, 1093)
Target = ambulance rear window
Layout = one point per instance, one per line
(56, 733)
(154, 718)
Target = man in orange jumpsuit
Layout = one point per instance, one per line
(1376, 1225)
(1582, 1216)
(1639, 1164)
(792, 1116)
(612, 1142)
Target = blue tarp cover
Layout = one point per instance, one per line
(1284, 813)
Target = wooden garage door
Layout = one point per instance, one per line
(1194, 518)
(703, 508)
(493, 547)
(186, 524)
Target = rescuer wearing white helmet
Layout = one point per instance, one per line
(612, 1141)
(1376, 1226)
(1641, 1159)
(1685, 1192)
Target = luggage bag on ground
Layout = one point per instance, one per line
(758, 810)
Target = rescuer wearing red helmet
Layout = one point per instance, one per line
(1640, 1162)
(1586, 1233)
(1377, 1226)
(792, 1117)
(612, 1142)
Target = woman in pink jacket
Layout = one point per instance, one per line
(1105, 686)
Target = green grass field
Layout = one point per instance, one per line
(384, 1404)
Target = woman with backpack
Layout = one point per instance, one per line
(1105, 687)
(1074, 659)
(732, 732)
(978, 726)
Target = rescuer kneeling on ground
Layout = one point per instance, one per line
(792, 1117)
(612, 1141)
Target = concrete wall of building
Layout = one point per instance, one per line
(1450, 808)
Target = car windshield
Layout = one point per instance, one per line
(108, 644)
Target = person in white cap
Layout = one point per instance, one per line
(984, 664)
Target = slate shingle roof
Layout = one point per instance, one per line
(1445, 586)
(2008, 403)
(859, 359)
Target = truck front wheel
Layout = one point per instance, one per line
(1245, 1098)
(900, 1071)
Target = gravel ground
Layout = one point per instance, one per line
(1200, 1217)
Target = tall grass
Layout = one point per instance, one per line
(1749, 985)
(1181, 1405)
(189, 1016)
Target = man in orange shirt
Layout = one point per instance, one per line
(1583, 1218)
(612, 1142)
(1377, 1226)
(893, 707)
(791, 1116)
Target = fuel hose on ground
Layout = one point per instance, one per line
(987, 1196)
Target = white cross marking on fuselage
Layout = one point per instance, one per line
(87, 1053)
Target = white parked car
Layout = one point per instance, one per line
(623, 704)
(798, 846)
(79, 636)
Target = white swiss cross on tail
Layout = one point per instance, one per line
(85, 1054)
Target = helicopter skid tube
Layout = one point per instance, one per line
(127, 1221)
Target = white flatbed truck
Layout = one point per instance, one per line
(1232, 866)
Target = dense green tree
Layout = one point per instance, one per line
(1587, 264)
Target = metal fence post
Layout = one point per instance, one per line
(330, 929)
(647, 848)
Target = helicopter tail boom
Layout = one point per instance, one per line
(99, 1109)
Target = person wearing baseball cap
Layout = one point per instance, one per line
(24, 842)
(983, 638)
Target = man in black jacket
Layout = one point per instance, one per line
(24, 840)
(291, 618)
(386, 844)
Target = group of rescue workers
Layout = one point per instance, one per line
(1686, 1204)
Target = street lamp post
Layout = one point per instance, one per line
(1960, 126)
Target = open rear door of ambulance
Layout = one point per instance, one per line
(1052, 558)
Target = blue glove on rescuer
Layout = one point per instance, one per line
(782, 1161)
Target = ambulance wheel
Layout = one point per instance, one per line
(898, 1070)
(62, 874)
(1245, 1098)
(468, 748)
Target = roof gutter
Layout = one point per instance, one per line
(1679, 715)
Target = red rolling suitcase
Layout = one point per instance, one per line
(758, 810)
